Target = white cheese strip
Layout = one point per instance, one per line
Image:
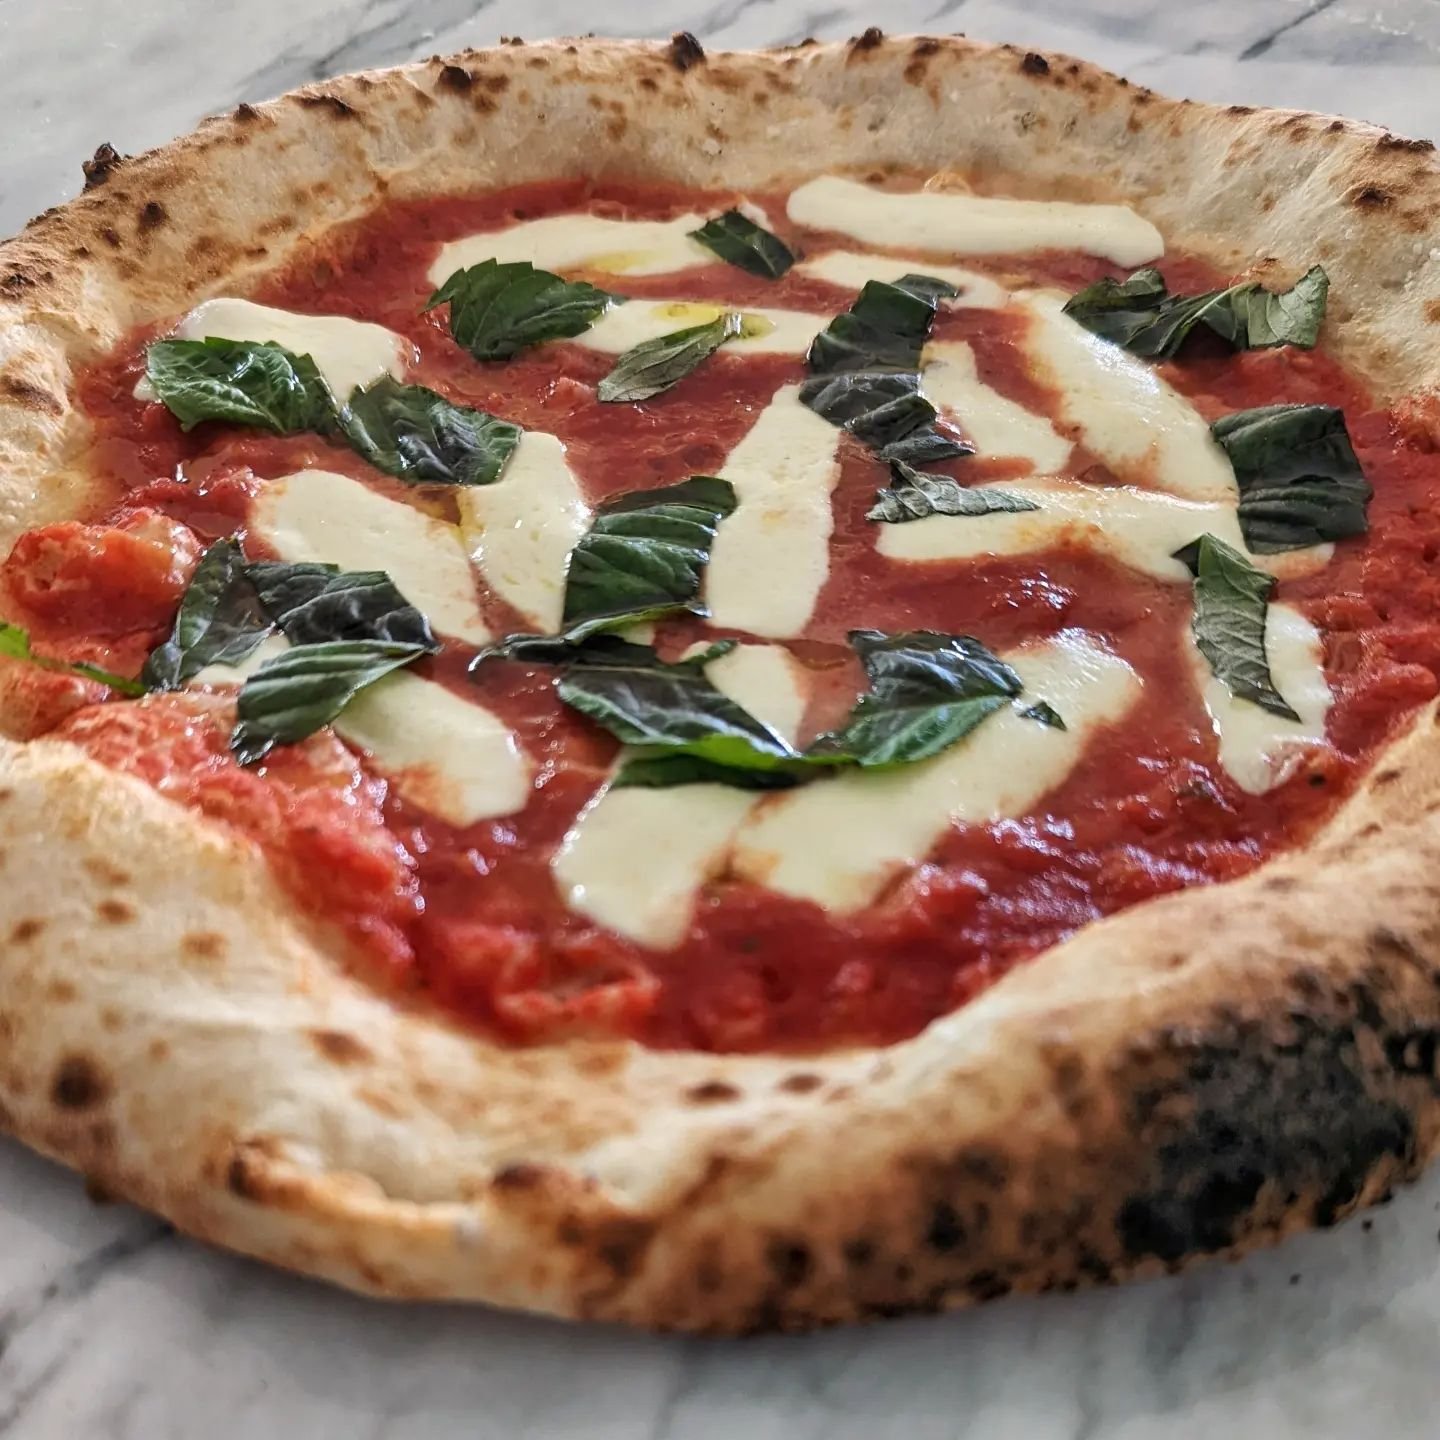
(1258, 749)
(838, 842)
(853, 269)
(346, 352)
(956, 224)
(635, 859)
(767, 332)
(592, 242)
(447, 755)
(317, 515)
(1121, 408)
(1139, 528)
(771, 556)
(998, 425)
(520, 531)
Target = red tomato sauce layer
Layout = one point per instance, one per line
(473, 919)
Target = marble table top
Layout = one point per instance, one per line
(111, 1326)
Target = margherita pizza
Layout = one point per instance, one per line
(726, 691)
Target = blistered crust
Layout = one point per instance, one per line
(1194, 1076)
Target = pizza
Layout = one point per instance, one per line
(726, 691)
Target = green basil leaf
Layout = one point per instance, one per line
(644, 556)
(314, 604)
(239, 381)
(663, 772)
(417, 435)
(498, 310)
(667, 708)
(15, 643)
(297, 693)
(1044, 712)
(1299, 478)
(885, 329)
(927, 690)
(1232, 598)
(220, 621)
(655, 365)
(738, 240)
(913, 496)
(1140, 313)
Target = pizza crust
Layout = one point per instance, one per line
(1197, 1075)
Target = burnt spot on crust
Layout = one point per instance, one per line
(790, 1262)
(115, 912)
(522, 1175)
(1402, 142)
(333, 103)
(245, 113)
(1032, 63)
(621, 1244)
(454, 77)
(340, 1048)
(30, 397)
(78, 1084)
(712, 1092)
(1371, 197)
(152, 215)
(868, 39)
(685, 51)
(802, 1082)
(102, 165)
(945, 1232)
(26, 929)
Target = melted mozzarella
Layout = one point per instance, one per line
(317, 515)
(574, 242)
(222, 674)
(852, 270)
(520, 531)
(1260, 750)
(957, 224)
(1140, 528)
(347, 353)
(635, 859)
(766, 332)
(771, 556)
(996, 424)
(449, 756)
(1121, 408)
(838, 842)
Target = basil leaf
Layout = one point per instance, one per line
(1231, 600)
(15, 643)
(417, 435)
(662, 772)
(220, 621)
(927, 691)
(913, 496)
(667, 708)
(865, 371)
(315, 604)
(297, 693)
(498, 310)
(738, 240)
(655, 365)
(1140, 314)
(239, 381)
(1300, 480)
(1045, 713)
(644, 555)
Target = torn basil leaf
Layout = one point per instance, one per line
(1043, 712)
(668, 709)
(15, 644)
(663, 772)
(297, 693)
(1232, 598)
(418, 435)
(914, 496)
(655, 365)
(498, 310)
(644, 556)
(241, 382)
(739, 241)
(1299, 478)
(220, 621)
(865, 371)
(315, 604)
(1141, 314)
(927, 690)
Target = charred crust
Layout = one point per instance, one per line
(245, 113)
(30, 397)
(522, 1175)
(1402, 142)
(945, 1232)
(802, 1082)
(1371, 197)
(102, 165)
(26, 929)
(1032, 63)
(341, 109)
(868, 39)
(790, 1262)
(340, 1048)
(685, 51)
(454, 77)
(712, 1092)
(928, 45)
(152, 214)
(620, 1244)
(77, 1084)
(115, 912)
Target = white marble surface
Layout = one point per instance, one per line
(112, 1327)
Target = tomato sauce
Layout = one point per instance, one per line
(472, 917)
